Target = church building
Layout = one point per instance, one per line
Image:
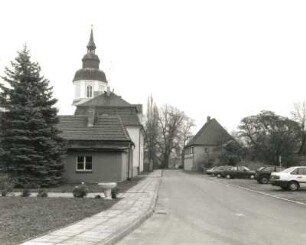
(105, 135)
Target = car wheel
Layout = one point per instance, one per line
(228, 176)
(218, 175)
(264, 180)
(293, 186)
(252, 176)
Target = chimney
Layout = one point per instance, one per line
(208, 118)
(108, 91)
(91, 116)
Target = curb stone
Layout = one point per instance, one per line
(131, 227)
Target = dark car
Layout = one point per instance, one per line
(240, 172)
(262, 175)
(218, 170)
(211, 170)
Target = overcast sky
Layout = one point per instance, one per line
(224, 59)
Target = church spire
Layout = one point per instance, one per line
(91, 44)
(89, 80)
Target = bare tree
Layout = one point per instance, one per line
(299, 115)
(174, 128)
(186, 135)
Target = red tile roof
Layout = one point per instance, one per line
(112, 104)
(105, 128)
(212, 133)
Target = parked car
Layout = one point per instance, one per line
(291, 178)
(238, 172)
(262, 175)
(211, 170)
(218, 170)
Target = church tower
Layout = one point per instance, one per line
(90, 80)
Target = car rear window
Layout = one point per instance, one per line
(288, 170)
(302, 171)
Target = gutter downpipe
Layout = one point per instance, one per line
(139, 152)
(129, 162)
(130, 169)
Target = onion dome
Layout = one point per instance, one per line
(90, 69)
(90, 74)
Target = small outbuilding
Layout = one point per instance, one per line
(206, 146)
(99, 148)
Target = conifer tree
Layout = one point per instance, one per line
(32, 148)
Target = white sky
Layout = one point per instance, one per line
(224, 59)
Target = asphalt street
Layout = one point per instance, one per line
(192, 209)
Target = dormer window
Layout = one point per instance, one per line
(89, 91)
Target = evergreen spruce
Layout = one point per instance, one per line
(32, 148)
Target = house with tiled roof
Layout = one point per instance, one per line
(99, 148)
(206, 145)
(108, 103)
(105, 137)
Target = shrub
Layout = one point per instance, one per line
(26, 192)
(6, 186)
(80, 191)
(115, 192)
(42, 193)
(97, 196)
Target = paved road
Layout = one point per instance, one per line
(195, 210)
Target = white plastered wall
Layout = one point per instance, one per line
(80, 91)
(137, 137)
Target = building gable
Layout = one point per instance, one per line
(111, 104)
(211, 134)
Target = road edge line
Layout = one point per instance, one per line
(259, 192)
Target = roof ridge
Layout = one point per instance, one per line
(112, 94)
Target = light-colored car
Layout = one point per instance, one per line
(291, 178)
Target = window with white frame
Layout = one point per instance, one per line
(89, 91)
(84, 163)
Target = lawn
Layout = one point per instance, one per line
(25, 217)
(22, 218)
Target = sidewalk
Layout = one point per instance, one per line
(110, 225)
